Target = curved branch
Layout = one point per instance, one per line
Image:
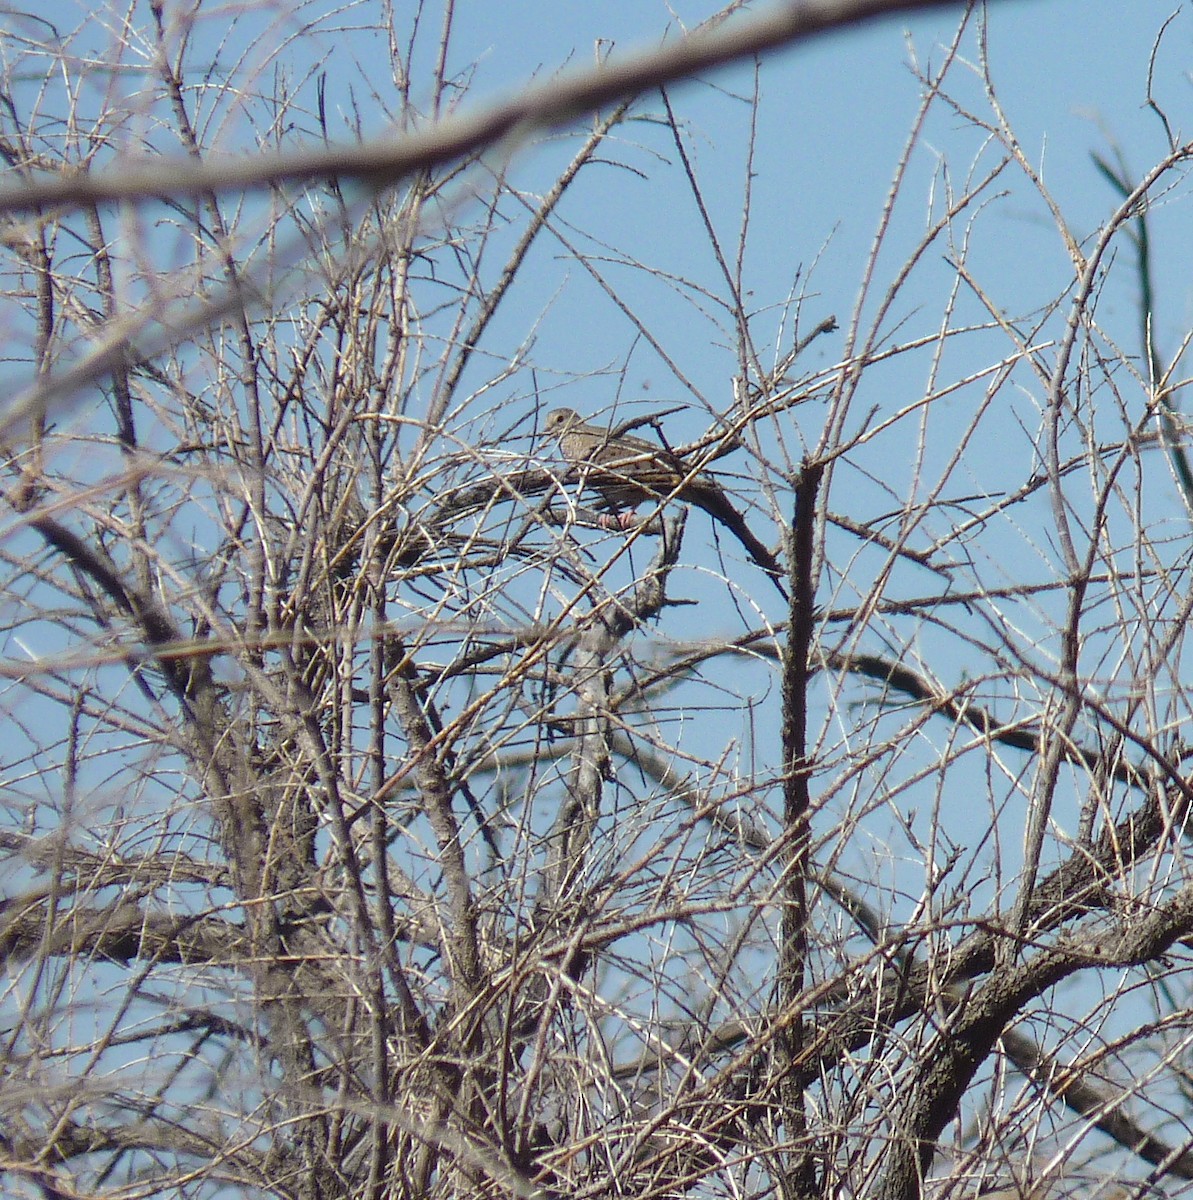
(386, 160)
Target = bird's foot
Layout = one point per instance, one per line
(620, 521)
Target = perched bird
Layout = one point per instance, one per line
(628, 471)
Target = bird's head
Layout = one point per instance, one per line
(560, 420)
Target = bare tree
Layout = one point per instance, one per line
(401, 804)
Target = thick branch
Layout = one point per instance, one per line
(386, 160)
(948, 1065)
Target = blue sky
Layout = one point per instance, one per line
(834, 117)
(833, 121)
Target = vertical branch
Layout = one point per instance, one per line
(797, 805)
(599, 636)
(461, 953)
(378, 818)
(1163, 395)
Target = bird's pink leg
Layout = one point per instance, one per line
(620, 521)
